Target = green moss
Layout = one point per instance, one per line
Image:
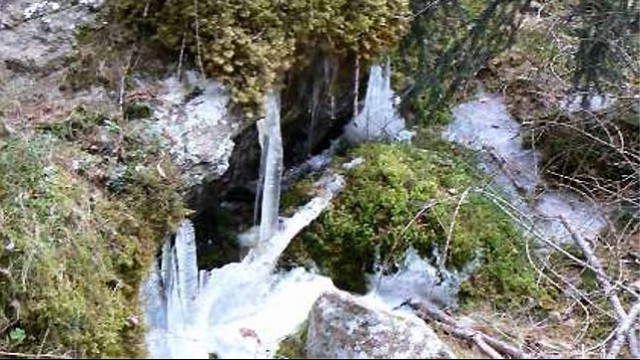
(293, 346)
(75, 250)
(77, 125)
(380, 213)
(299, 194)
(137, 110)
(250, 43)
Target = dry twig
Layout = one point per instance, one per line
(32, 356)
(198, 44)
(625, 321)
(490, 345)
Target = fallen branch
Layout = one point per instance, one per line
(625, 321)
(634, 347)
(599, 270)
(477, 339)
(488, 344)
(33, 356)
(623, 331)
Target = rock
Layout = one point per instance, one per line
(316, 101)
(37, 40)
(194, 117)
(340, 326)
(34, 34)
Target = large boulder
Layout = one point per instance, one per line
(343, 327)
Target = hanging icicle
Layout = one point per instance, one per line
(272, 165)
(378, 118)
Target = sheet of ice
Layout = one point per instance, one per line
(251, 323)
(485, 125)
(417, 279)
(596, 102)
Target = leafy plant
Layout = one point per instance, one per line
(17, 336)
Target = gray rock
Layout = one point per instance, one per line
(33, 34)
(37, 39)
(341, 326)
(194, 117)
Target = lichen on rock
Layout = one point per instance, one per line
(195, 120)
(342, 327)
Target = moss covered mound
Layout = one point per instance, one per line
(248, 43)
(402, 197)
(78, 230)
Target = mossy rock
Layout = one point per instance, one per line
(249, 44)
(293, 346)
(405, 197)
(74, 251)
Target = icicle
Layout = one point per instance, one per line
(314, 106)
(271, 143)
(263, 141)
(329, 186)
(378, 118)
(187, 266)
(356, 87)
(332, 101)
(331, 72)
(165, 271)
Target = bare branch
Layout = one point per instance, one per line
(427, 311)
(623, 330)
(184, 40)
(451, 228)
(599, 270)
(33, 356)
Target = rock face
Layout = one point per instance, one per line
(317, 101)
(194, 116)
(340, 327)
(36, 43)
(33, 33)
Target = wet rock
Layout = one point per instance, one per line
(342, 327)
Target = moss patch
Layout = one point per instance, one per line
(82, 209)
(293, 346)
(249, 43)
(405, 197)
